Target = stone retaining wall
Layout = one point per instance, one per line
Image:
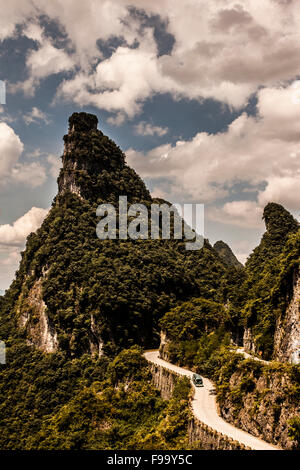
(200, 435)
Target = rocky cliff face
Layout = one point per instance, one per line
(249, 341)
(71, 164)
(287, 335)
(163, 379)
(200, 435)
(35, 320)
(262, 401)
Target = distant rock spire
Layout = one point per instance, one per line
(93, 166)
(226, 254)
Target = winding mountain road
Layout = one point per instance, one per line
(250, 356)
(204, 407)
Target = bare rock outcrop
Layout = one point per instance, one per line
(287, 336)
(34, 318)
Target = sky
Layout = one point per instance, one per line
(203, 97)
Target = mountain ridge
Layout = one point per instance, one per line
(80, 310)
(226, 253)
(76, 292)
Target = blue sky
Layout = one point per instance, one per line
(204, 98)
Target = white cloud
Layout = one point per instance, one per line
(48, 60)
(11, 169)
(282, 189)
(12, 241)
(145, 128)
(36, 116)
(121, 83)
(54, 165)
(9, 260)
(223, 50)
(12, 13)
(15, 234)
(87, 22)
(42, 62)
(31, 174)
(245, 214)
(11, 148)
(117, 119)
(34, 154)
(33, 31)
(256, 151)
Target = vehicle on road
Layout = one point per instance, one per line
(197, 380)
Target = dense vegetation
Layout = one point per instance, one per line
(226, 254)
(269, 274)
(193, 318)
(102, 292)
(112, 295)
(199, 333)
(252, 297)
(260, 398)
(97, 295)
(51, 402)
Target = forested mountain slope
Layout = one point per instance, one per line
(272, 273)
(226, 254)
(78, 302)
(80, 308)
(77, 293)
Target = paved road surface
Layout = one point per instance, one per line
(250, 356)
(205, 408)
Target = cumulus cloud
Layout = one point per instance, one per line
(117, 119)
(246, 214)
(260, 152)
(15, 234)
(10, 258)
(31, 174)
(36, 116)
(33, 31)
(42, 62)
(13, 13)
(12, 240)
(11, 169)
(282, 189)
(11, 148)
(48, 60)
(145, 128)
(222, 50)
(120, 83)
(105, 19)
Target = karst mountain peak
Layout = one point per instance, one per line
(94, 167)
